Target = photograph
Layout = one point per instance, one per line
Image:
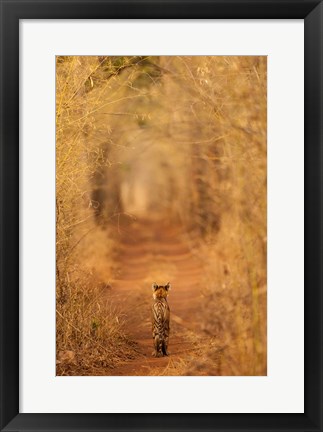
(161, 215)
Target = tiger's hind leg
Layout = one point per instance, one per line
(154, 353)
(165, 341)
(165, 347)
(158, 347)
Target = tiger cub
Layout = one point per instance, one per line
(160, 319)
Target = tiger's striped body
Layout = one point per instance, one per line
(160, 320)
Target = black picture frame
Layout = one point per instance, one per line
(11, 12)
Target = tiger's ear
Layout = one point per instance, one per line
(168, 286)
(154, 286)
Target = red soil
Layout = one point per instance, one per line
(155, 252)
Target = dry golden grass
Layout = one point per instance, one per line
(177, 138)
(231, 189)
(89, 331)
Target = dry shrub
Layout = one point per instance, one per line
(235, 305)
(90, 334)
(89, 327)
(229, 190)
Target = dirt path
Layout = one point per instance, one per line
(155, 252)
